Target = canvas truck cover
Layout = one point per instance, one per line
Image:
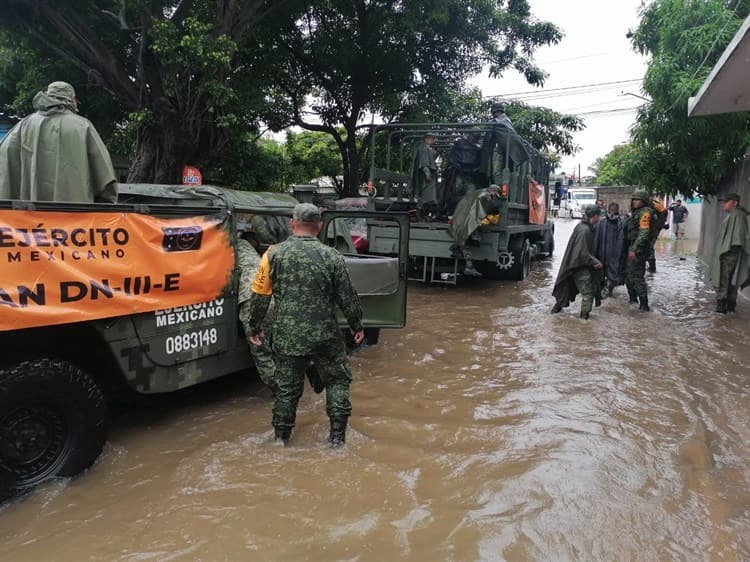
(63, 267)
(209, 196)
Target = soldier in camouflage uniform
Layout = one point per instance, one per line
(308, 280)
(639, 246)
(248, 262)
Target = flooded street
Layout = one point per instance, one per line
(488, 429)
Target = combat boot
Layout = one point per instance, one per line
(282, 436)
(337, 438)
(584, 315)
(644, 305)
(555, 309)
(721, 306)
(633, 297)
(731, 306)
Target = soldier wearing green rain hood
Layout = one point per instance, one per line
(577, 269)
(477, 208)
(424, 180)
(730, 267)
(54, 154)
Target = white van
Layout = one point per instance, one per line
(575, 201)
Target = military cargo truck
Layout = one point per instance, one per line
(470, 156)
(140, 297)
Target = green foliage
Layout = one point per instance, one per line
(267, 165)
(312, 155)
(619, 167)
(169, 82)
(684, 39)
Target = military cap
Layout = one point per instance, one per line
(498, 106)
(730, 197)
(591, 211)
(642, 194)
(429, 134)
(306, 212)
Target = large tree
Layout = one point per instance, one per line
(684, 39)
(620, 166)
(343, 59)
(180, 71)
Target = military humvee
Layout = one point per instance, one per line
(470, 156)
(140, 296)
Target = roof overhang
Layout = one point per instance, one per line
(727, 88)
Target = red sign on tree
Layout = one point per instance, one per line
(191, 176)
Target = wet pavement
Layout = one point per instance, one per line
(486, 430)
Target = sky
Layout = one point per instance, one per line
(594, 50)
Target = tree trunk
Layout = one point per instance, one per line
(352, 172)
(160, 154)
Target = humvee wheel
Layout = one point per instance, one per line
(53, 422)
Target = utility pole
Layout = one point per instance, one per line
(579, 174)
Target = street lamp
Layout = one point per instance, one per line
(635, 96)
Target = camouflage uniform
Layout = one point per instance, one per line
(248, 262)
(308, 280)
(638, 241)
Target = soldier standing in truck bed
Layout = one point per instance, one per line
(54, 154)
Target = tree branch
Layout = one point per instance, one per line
(181, 12)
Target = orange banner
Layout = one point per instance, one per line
(537, 203)
(59, 267)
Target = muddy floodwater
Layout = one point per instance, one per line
(486, 430)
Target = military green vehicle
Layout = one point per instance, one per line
(469, 156)
(138, 297)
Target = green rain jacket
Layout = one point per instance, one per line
(424, 166)
(55, 155)
(734, 231)
(579, 253)
(473, 208)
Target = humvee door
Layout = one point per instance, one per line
(380, 280)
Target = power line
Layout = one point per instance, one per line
(566, 88)
(608, 111)
(567, 94)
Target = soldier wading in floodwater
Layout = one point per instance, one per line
(577, 269)
(307, 280)
(638, 247)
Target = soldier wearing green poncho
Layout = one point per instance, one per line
(477, 208)
(730, 268)
(424, 186)
(577, 269)
(55, 154)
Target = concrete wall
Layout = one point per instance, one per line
(620, 195)
(712, 215)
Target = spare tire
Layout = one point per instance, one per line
(53, 422)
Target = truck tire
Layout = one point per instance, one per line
(53, 422)
(521, 250)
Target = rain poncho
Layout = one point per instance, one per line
(424, 175)
(56, 155)
(475, 206)
(578, 254)
(609, 237)
(734, 231)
